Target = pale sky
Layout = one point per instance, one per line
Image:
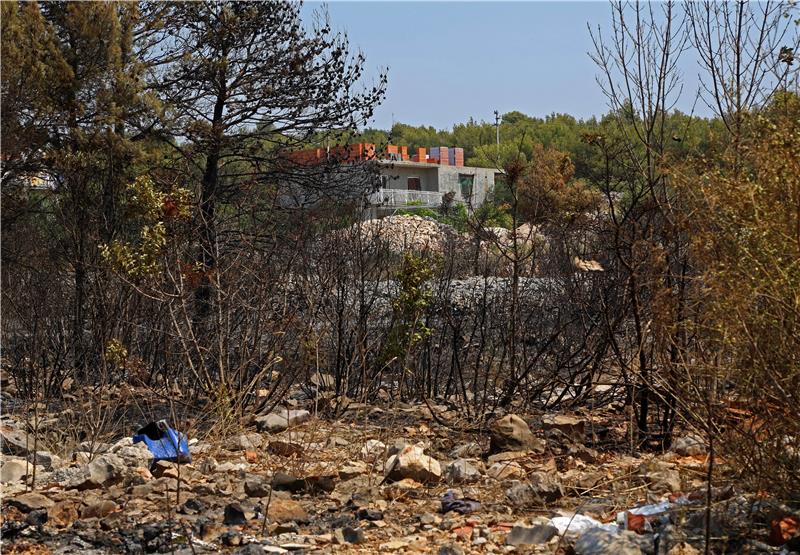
(449, 61)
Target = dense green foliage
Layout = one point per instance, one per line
(520, 134)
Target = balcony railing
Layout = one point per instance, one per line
(404, 197)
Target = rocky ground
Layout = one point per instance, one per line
(399, 479)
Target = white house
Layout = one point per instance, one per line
(409, 183)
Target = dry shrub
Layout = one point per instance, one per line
(745, 375)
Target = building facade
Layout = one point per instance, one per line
(407, 183)
(422, 179)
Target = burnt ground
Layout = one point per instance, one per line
(320, 486)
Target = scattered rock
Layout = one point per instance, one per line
(134, 454)
(13, 470)
(15, 441)
(660, 477)
(351, 469)
(286, 482)
(508, 456)
(541, 489)
(336, 441)
(272, 423)
(98, 448)
(571, 426)
(597, 541)
(63, 513)
(546, 486)
(393, 545)
(245, 442)
(103, 471)
(412, 463)
(234, 515)
(257, 549)
(28, 502)
(231, 538)
(583, 481)
(311, 484)
(429, 518)
(689, 445)
(230, 466)
(522, 534)
(402, 489)
(683, 548)
(348, 535)
(450, 549)
(462, 471)
(285, 448)
(369, 514)
(100, 509)
(47, 460)
(286, 510)
(284, 528)
(583, 453)
(281, 420)
(256, 486)
(466, 451)
(373, 450)
(37, 518)
(193, 507)
(512, 433)
(401, 443)
(401, 514)
(166, 469)
(506, 471)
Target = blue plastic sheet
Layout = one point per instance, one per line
(164, 443)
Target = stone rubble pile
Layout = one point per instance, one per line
(414, 233)
(411, 233)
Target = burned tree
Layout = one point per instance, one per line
(245, 82)
(639, 75)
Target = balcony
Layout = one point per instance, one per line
(402, 197)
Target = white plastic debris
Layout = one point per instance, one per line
(660, 510)
(580, 523)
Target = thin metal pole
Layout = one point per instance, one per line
(497, 128)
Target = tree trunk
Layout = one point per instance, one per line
(204, 295)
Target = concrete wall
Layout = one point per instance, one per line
(397, 177)
(482, 182)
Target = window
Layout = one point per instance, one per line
(466, 181)
(414, 184)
